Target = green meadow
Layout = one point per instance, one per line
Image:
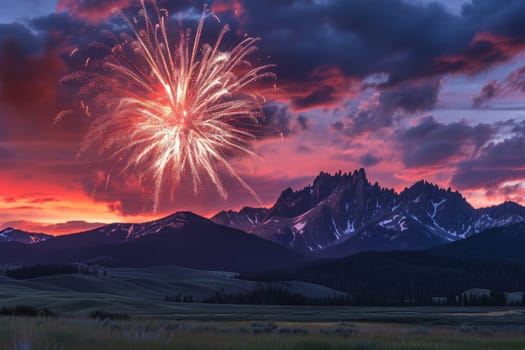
(127, 308)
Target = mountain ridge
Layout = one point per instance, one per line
(183, 239)
(336, 216)
(10, 234)
(344, 213)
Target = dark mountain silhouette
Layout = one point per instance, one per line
(183, 239)
(342, 214)
(499, 243)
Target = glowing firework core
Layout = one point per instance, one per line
(175, 108)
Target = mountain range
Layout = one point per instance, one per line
(343, 214)
(335, 217)
(183, 239)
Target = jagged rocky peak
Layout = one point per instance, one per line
(325, 183)
(291, 204)
(423, 188)
(427, 191)
(346, 211)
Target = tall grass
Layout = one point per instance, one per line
(55, 334)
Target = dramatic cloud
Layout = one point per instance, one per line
(487, 93)
(356, 38)
(279, 122)
(356, 82)
(430, 143)
(382, 108)
(484, 51)
(497, 163)
(28, 82)
(515, 82)
(303, 122)
(93, 10)
(363, 38)
(369, 159)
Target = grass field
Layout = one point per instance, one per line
(159, 324)
(25, 334)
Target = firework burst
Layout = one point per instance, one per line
(165, 108)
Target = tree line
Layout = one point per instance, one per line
(33, 271)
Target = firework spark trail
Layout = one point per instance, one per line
(174, 108)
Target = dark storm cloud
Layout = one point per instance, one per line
(359, 37)
(28, 85)
(302, 121)
(496, 163)
(338, 125)
(504, 17)
(320, 96)
(411, 98)
(369, 159)
(383, 108)
(355, 38)
(279, 121)
(32, 61)
(431, 143)
(365, 37)
(21, 35)
(62, 29)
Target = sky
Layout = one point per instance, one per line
(407, 89)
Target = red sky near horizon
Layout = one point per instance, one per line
(407, 89)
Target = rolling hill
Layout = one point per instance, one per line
(135, 291)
